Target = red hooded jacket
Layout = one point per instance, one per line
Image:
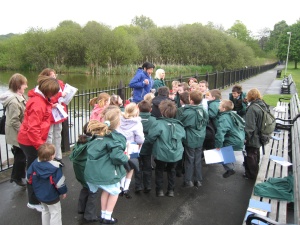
(37, 120)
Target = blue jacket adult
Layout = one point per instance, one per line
(140, 89)
(47, 180)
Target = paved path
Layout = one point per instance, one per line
(218, 201)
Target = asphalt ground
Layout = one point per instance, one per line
(218, 201)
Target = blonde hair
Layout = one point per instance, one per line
(111, 122)
(227, 104)
(45, 152)
(131, 110)
(149, 97)
(158, 73)
(101, 100)
(175, 83)
(196, 86)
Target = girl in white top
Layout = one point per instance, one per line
(131, 127)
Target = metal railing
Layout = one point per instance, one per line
(79, 108)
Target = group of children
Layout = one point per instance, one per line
(102, 160)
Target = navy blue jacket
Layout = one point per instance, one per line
(139, 88)
(47, 180)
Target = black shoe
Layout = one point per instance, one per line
(228, 173)
(170, 193)
(138, 190)
(197, 184)
(91, 221)
(188, 184)
(18, 182)
(127, 195)
(60, 161)
(111, 221)
(147, 190)
(160, 193)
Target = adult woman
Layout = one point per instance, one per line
(253, 121)
(35, 127)
(159, 80)
(14, 102)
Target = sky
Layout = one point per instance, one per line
(17, 16)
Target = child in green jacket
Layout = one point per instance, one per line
(167, 136)
(230, 132)
(105, 162)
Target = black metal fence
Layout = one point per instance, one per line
(79, 108)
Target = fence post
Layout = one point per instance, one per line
(207, 77)
(65, 139)
(121, 91)
(180, 78)
(216, 80)
(223, 80)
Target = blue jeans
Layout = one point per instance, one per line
(193, 164)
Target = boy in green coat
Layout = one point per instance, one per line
(230, 132)
(167, 136)
(144, 176)
(194, 119)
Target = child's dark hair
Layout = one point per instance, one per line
(167, 108)
(184, 86)
(144, 106)
(83, 138)
(237, 88)
(185, 97)
(204, 82)
(45, 152)
(216, 93)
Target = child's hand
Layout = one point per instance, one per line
(63, 196)
(63, 94)
(218, 149)
(54, 105)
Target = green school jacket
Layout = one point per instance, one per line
(147, 121)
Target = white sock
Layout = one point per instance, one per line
(127, 184)
(103, 214)
(107, 215)
(122, 182)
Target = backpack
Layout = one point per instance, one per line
(267, 126)
(238, 121)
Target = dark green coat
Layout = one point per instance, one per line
(105, 159)
(253, 120)
(147, 121)
(213, 108)
(194, 119)
(240, 105)
(230, 131)
(157, 84)
(79, 157)
(167, 136)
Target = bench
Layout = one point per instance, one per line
(287, 146)
(286, 85)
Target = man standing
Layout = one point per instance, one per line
(142, 82)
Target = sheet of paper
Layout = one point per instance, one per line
(228, 154)
(71, 91)
(276, 138)
(213, 156)
(59, 113)
(280, 160)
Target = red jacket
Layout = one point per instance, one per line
(54, 99)
(35, 126)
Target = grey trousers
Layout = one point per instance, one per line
(193, 164)
(87, 203)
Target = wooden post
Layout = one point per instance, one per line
(121, 91)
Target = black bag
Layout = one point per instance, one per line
(2, 122)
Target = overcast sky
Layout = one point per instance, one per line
(17, 16)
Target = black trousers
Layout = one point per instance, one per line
(159, 174)
(31, 154)
(19, 166)
(87, 204)
(252, 162)
(144, 176)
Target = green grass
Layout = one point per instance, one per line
(273, 99)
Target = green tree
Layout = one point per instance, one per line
(143, 22)
(239, 31)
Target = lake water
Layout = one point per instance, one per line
(80, 81)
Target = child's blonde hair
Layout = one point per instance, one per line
(45, 152)
(227, 104)
(175, 83)
(111, 122)
(131, 110)
(101, 100)
(149, 97)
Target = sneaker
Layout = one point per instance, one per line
(228, 173)
(170, 193)
(197, 184)
(160, 193)
(188, 184)
(127, 194)
(37, 207)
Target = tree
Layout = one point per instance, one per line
(143, 22)
(279, 29)
(239, 31)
